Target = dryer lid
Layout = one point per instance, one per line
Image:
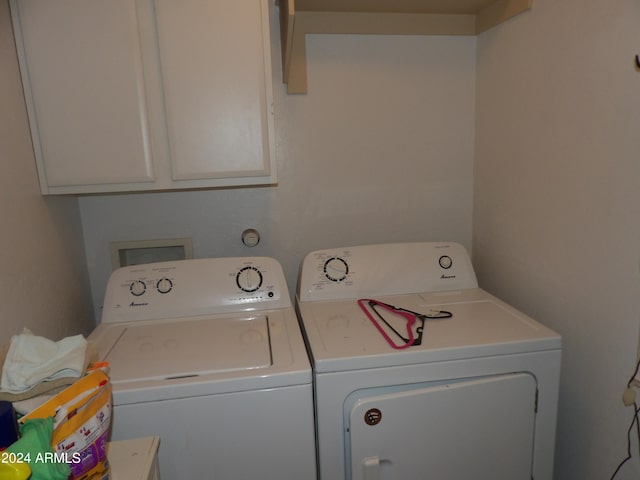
(185, 348)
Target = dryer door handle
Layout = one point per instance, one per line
(371, 468)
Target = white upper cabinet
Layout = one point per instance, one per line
(131, 95)
(82, 66)
(219, 44)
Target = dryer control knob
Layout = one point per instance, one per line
(445, 261)
(336, 269)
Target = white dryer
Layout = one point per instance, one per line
(470, 390)
(207, 354)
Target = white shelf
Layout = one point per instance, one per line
(381, 17)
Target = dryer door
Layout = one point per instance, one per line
(481, 429)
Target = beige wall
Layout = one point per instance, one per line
(557, 205)
(379, 150)
(43, 281)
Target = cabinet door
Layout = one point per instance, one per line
(216, 76)
(82, 71)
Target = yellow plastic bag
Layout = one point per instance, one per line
(82, 417)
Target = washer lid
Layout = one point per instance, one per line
(342, 338)
(179, 349)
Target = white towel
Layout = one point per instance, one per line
(32, 359)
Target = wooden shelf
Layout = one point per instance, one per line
(381, 17)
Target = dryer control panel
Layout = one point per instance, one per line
(188, 288)
(385, 269)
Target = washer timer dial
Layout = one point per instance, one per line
(336, 269)
(249, 279)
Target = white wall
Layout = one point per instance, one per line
(380, 149)
(43, 276)
(557, 205)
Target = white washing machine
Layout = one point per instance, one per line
(207, 354)
(419, 373)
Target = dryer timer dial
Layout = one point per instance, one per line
(336, 269)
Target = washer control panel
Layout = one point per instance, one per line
(385, 269)
(195, 287)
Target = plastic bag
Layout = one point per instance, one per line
(33, 450)
(82, 418)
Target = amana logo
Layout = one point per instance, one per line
(134, 304)
(443, 276)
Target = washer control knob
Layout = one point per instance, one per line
(137, 288)
(164, 285)
(445, 261)
(249, 279)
